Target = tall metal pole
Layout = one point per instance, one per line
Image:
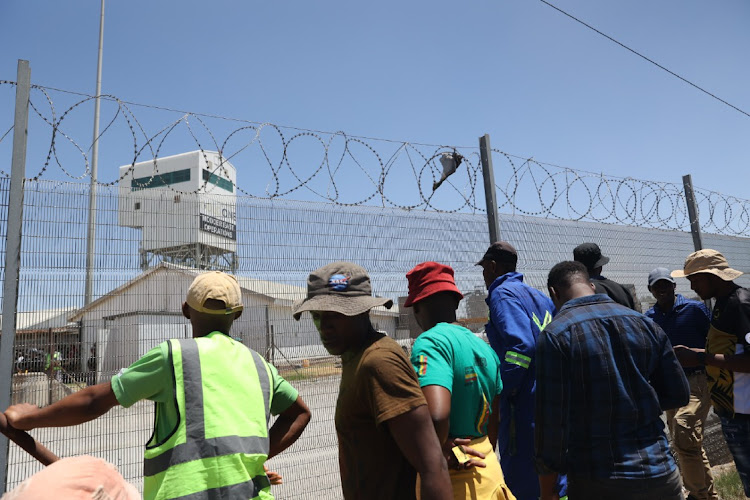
(692, 206)
(91, 234)
(490, 194)
(13, 249)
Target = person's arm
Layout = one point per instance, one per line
(439, 405)
(668, 379)
(518, 341)
(690, 357)
(416, 438)
(493, 426)
(288, 427)
(77, 408)
(740, 363)
(551, 421)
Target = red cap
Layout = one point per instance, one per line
(429, 278)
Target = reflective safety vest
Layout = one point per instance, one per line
(48, 361)
(223, 394)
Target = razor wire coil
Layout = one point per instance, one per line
(524, 186)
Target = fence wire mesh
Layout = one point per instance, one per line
(359, 199)
(278, 243)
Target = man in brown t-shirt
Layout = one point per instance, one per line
(383, 425)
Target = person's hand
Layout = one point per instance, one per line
(463, 444)
(687, 356)
(273, 476)
(16, 413)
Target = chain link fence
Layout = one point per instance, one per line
(270, 209)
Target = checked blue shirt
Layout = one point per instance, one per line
(604, 375)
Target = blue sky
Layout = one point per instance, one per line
(436, 72)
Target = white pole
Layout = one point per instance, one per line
(91, 235)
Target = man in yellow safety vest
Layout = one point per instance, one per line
(214, 397)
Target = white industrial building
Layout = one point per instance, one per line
(185, 206)
(131, 319)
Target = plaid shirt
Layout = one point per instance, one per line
(604, 375)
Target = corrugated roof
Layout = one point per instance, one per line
(281, 293)
(42, 319)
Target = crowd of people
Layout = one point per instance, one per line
(566, 400)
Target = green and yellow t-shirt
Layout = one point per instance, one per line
(453, 357)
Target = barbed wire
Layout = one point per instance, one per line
(350, 170)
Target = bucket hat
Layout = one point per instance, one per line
(341, 287)
(707, 261)
(429, 278)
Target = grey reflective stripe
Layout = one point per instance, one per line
(205, 448)
(192, 383)
(250, 489)
(265, 386)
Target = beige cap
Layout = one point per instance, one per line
(707, 261)
(217, 286)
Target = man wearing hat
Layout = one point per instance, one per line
(727, 352)
(518, 313)
(460, 377)
(591, 256)
(214, 397)
(686, 322)
(384, 429)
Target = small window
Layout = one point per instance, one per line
(137, 205)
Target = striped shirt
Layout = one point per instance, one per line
(604, 375)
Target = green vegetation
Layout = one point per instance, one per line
(728, 485)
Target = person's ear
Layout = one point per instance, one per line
(552, 294)
(186, 310)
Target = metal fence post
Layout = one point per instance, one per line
(692, 206)
(490, 194)
(695, 225)
(13, 249)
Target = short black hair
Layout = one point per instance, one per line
(564, 274)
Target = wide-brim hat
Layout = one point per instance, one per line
(341, 287)
(707, 261)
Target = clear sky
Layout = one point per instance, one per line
(437, 72)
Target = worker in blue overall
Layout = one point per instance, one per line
(518, 313)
